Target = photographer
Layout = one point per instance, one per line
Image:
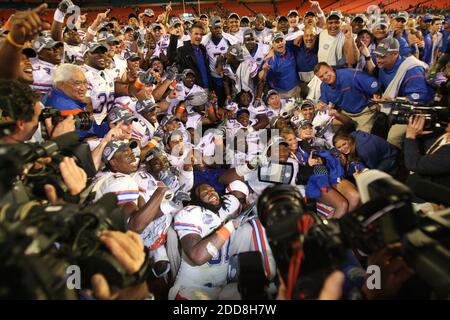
(400, 77)
(434, 164)
(21, 108)
(128, 249)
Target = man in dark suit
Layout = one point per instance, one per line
(192, 55)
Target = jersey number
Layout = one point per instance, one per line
(105, 101)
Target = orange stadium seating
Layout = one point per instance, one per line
(253, 7)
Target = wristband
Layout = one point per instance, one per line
(225, 232)
(138, 84)
(59, 16)
(91, 31)
(173, 85)
(180, 109)
(368, 58)
(153, 143)
(12, 42)
(250, 129)
(168, 99)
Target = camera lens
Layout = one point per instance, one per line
(279, 208)
(83, 121)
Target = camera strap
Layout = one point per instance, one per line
(438, 144)
(304, 223)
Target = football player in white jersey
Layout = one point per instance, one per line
(263, 34)
(217, 43)
(257, 49)
(234, 26)
(73, 49)
(274, 104)
(121, 163)
(155, 234)
(239, 71)
(257, 108)
(117, 63)
(146, 125)
(209, 236)
(100, 85)
(244, 127)
(176, 28)
(185, 88)
(49, 57)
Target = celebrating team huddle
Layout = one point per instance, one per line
(189, 120)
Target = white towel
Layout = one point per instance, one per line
(391, 91)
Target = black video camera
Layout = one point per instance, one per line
(82, 120)
(435, 117)
(40, 242)
(386, 217)
(25, 156)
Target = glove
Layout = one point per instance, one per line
(174, 171)
(180, 197)
(171, 73)
(64, 5)
(146, 78)
(246, 215)
(169, 179)
(159, 133)
(258, 161)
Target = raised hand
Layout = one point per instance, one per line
(103, 16)
(347, 30)
(65, 5)
(26, 25)
(314, 4)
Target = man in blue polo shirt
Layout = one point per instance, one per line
(280, 70)
(349, 90)
(400, 77)
(446, 35)
(306, 57)
(412, 82)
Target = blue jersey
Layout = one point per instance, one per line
(282, 75)
(414, 85)
(427, 52)
(59, 100)
(352, 90)
(445, 40)
(306, 59)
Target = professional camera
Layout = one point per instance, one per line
(25, 155)
(82, 120)
(39, 242)
(435, 117)
(296, 234)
